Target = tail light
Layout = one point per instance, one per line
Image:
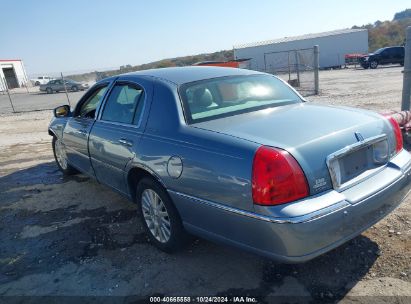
(277, 177)
(397, 134)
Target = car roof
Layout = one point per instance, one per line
(180, 75)
(392, 47)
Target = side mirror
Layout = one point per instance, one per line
(62, 111)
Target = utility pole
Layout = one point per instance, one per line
(406, 87)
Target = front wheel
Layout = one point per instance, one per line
(160, 218)
(373, 64)
(60, 156)
(74, 88)
(49, 90)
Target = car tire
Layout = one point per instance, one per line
(37, 83)
(49, 90)
(160, 218)
(61, 157)
(373, 64)
(74, 88)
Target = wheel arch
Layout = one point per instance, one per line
(52, 133)
(138, 172)
(55, 132)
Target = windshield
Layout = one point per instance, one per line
(227, 96)
(379, 51)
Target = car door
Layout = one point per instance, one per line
(60, 85)
(385, 56)
(115, 136)
(77, 130)
(56, 85)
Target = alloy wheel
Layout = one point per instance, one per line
(61, 155)
(156, 215)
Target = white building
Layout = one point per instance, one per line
(333, 46)
(12, 74)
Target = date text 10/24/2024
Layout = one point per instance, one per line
(233, 299)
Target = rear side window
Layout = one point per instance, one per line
(124, 105)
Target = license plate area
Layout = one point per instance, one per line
(356, 162)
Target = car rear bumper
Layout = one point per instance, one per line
(297, 236)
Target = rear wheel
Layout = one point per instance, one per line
(373, 64)
(37, 83)
(74, 88)
(160, 218)
(61, 157)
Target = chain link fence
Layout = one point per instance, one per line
(297, 67)
(28, 96)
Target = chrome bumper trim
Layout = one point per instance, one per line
(278, 220)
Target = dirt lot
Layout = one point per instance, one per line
(74, 237)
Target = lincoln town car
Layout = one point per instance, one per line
(235, 156)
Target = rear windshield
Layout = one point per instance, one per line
(227, 96)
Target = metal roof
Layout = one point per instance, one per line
(294, 38)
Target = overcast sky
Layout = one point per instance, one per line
(79, 35)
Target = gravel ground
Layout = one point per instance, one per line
(74, 237)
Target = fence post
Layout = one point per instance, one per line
(289, 67)
(65, 88)
(8, 93)
(297, 67)
(316, 69)
(406, 86)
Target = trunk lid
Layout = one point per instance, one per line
(309, 132)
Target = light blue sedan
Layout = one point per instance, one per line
(235, 156)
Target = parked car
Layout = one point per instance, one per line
(383, 56)
(41, 80)
(58, 86)
(235, 156)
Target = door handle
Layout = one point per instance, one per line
(125, 142)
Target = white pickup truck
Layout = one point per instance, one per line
(41, 80)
